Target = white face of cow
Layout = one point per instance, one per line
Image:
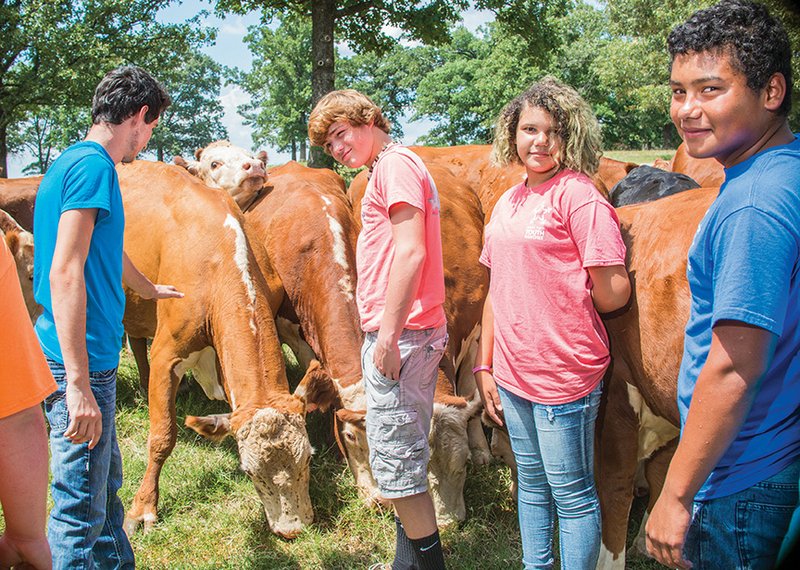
(276, 454)
(447, 470)
(232, 168)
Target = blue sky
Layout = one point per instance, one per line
(230, 50)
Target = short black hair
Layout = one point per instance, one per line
(123, 92)
(757, 43)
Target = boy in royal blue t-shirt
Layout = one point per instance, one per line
(732, 485)
(79, 268)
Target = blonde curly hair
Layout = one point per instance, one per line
(575, 123)
(346, 105)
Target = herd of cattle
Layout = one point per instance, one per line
(265, 257)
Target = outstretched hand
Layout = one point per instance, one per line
(490, 396)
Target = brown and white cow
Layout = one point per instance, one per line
(707, 172)
(638, 422)
(20, 243)
(17, 196)
(181, 232)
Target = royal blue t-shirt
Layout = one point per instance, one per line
(83, 176)
(743, 266)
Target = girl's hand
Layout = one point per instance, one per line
(490, 396)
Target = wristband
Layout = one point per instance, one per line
(482, 368)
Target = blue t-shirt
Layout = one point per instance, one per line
(743, 266)
(83, 176)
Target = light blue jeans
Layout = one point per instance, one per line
(746, 529)
(554, 450)
(85, 527)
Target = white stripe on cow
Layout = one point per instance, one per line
(339, 250)
(241, 259)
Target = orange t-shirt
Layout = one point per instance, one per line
(25, 378)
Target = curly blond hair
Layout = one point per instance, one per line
(346, 105)
(575, 123)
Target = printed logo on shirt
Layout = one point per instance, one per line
(535, 227)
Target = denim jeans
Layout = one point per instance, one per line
(85, 528)
(744, 530)
(554, 449)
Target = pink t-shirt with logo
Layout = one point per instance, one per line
(399, 176)
(550, 345)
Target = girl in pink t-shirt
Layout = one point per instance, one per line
(556, 259)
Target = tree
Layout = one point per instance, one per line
(47, 131)
(54, 52)
(360, 24)
(279, 85)
(194, 118)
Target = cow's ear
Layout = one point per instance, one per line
(317, 389)
(352, 416)
(454, 401)
(180, 161)
(12, 241)
(198, 153)
(262, 156)
(215, 427)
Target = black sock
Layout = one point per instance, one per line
(429, 552)
(404, 556)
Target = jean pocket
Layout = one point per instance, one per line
(55, 408)
(103, 376)
(760, 528)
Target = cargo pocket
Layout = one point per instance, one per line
(399, 456)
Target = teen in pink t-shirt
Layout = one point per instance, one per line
(556, 258)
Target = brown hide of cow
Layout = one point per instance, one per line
(646, 346)
(181, 232)
(17, 196)
(707, 172)
(20, 244)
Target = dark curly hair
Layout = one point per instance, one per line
(756, 42)
(123, 92)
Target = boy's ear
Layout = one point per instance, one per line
(775, 91)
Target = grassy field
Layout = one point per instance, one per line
(639, 156)
(210, 515)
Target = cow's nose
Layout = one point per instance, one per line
(246, 166)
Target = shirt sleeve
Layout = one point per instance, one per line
(754, 258)
(401, 181)
(594, 228)
(89, 184)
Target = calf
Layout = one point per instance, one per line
(181, 232)
(20, 243)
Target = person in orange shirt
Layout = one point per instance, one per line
(25, 381)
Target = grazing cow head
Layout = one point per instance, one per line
(447, 470)
(274, 449)
(232, 168)
(20, 244)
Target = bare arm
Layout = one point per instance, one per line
(611, 287)
(485, 379)
(68, 290)
(142, 286)
(722, 398)
(408, 234)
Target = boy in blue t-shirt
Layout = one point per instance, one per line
(732, 485)
(79, 268)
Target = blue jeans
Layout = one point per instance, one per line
(554, 450)
(85, 528)
(744, 530)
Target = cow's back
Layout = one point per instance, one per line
(706, 171)
(17, 197)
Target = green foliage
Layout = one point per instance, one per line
(47, 131)
(279, 84)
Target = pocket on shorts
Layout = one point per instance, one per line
(760, 528)
(399, 450)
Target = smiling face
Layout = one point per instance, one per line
(538, 144)
(716, 113)
(350, 145)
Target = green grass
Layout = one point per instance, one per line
(210, 515)
(639, 156)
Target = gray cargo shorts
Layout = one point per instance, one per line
(399, 411)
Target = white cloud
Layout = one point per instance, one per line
(234, 27)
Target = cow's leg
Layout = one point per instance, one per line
(163, 433)
(466, 387)
(289, 334)
(655, 471)
(139, 350)
(501, 448)
(615, 470)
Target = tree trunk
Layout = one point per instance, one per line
(294, 150)
(160, 153)
(323, 17)
(3, 147)
(303, 150)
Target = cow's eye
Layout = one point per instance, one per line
(350, 437)
(215, 164)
